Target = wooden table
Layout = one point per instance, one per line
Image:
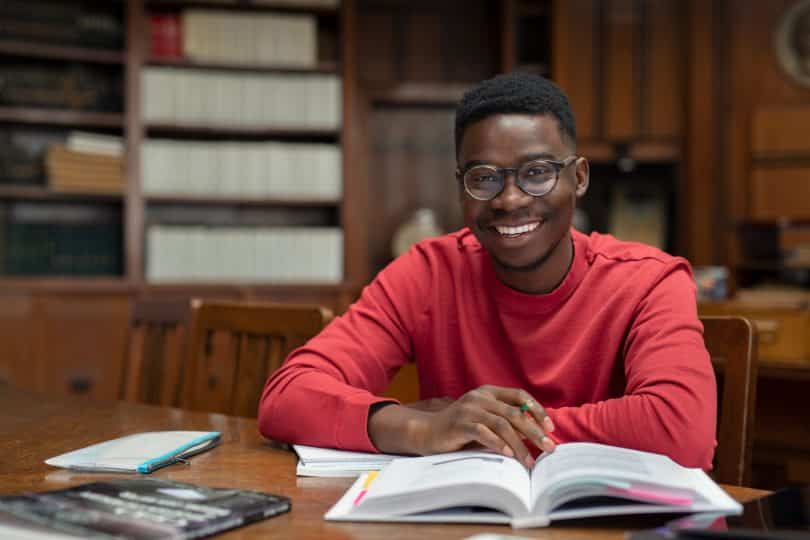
(33, 428)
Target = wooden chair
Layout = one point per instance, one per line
(234, 346)
(156, 351)
(732, 344)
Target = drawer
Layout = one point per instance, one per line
(784, 334)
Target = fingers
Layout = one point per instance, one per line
(534, 423)
(497, 434)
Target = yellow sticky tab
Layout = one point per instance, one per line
(369, 479)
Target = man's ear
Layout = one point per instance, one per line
(459, 185)
(582, 175)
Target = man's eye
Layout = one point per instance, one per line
(537, 171)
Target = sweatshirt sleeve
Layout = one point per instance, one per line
(322, 394)
(670, 401)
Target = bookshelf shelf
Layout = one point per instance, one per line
(248, 132)
(245, 5)
(419, 94)
(91, 284)
(47, 194)
(59, 117)
(60, 52)
(322, 67)
(180, 198)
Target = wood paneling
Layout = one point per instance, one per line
(780, 192)
(663, 68)
(81, 344)
(17, 338)
(422, 60)
(412, 167)
(781, 131)
(621, 104)
(575, 62)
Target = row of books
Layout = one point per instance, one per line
(238, 38)
(205, 97)
(250, 169)
(60, 240)
(63, 23)
(244, 254)
(22, 154)
(71, 86)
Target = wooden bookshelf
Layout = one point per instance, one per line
(26, 49)
(61, 117)
(246, 132)
(68, 284)
(322, 67)
(244, 5)
(46, 194)
(181, 198)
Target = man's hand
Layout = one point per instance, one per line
(490, 416)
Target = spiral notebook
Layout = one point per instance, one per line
(139, 452)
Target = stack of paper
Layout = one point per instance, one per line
(314, 461)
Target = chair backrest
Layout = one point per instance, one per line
(155, 357)
(235, 346)
(732, 344)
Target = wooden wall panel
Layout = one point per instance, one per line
(780, 192)
(422, 57)
(755, 81)
(575, 62)
(376, 41)
(663, 74)
(83, 339)
(621, 104)
(17, 336)
(781, 131)
(703, 226)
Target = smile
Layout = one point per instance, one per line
(504, 230)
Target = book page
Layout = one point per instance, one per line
(447, 480)
(585, 463)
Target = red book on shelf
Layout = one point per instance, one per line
(166, 35)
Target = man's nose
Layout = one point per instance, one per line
(511, 197)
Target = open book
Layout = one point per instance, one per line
(576, 480)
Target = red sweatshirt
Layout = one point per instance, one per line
(615, 353)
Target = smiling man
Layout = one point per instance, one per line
(525, 332)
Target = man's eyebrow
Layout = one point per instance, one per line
(523, 159)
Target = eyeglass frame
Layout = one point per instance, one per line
(557, 165)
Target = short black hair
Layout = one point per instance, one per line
(516, 92)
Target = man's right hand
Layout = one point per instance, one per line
(488, 416)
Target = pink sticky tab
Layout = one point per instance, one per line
(649, 495)
(359, 497)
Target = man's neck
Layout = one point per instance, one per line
(547, 276)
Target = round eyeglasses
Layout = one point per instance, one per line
(536, 178)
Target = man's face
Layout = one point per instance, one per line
(509, 140)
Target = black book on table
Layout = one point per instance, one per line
(136, 509)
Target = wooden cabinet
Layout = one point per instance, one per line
(65, 343)
(784, 333)
(623, 65)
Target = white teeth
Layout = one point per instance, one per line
(512, 231)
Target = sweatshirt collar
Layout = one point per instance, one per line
(509, 299)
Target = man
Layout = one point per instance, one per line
(524, 332)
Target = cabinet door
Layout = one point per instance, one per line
(81, 345)
(622, 64)
(17, 337)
